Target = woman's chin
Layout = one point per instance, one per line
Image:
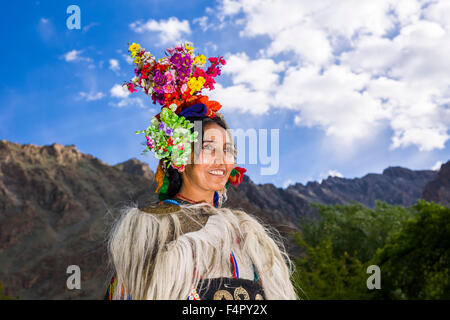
(216, 186)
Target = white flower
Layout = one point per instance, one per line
(147, 56)
(173, 107)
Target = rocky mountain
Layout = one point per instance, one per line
(57, 205)
(396, 185)
(55, 208)
(438, 189)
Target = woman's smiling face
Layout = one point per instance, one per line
(211, 169)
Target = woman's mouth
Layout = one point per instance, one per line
(217, 172)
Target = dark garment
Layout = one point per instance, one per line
(225, 289)
(231, 289)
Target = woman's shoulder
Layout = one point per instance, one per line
(160, 207)
(187, 222)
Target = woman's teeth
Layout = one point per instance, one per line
(217, 172)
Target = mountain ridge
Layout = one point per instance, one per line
(57, 205)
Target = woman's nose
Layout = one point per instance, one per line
(219, 156)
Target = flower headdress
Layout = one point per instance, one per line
(176, 81)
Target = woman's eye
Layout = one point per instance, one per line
(208, 147)
(229, 150)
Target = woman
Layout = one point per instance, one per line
(188, 246)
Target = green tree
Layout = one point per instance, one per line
(354, 228)
(410, 245)
(415, 263)
(322, 276)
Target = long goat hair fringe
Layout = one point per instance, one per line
(154, 260)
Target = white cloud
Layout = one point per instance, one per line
(330, 173)
(310, 44)
(257, 74)
(348, 67)
(438, 11)
(91, 96)
(334, 101)
(287, 183)
(118, 91)
(437, 166)
(114, 64)
(335, 173)
(240, 99)
(203, 22)
(75, 55)
(86, 28)
(46, 30)
(253, 84)
(72, 55)
(229, 7)
(210, 48)
(128, 58)
(170, 31)
(128, 102)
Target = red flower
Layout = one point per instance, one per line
(236, 176)
(216, 60)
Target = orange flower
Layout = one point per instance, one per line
(159, 177)
(212, 105)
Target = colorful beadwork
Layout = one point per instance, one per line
(193, 295)
(235, 266)
(112, 287)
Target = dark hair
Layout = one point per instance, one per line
(175, 178)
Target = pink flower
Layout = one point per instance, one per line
(150, 142)
(170, 76)
(170, 50)
(184, 87)
(131, 88)
(168, 88)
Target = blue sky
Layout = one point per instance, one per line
(352, 86)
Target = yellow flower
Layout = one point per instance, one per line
(189, 48)
(192, 83)
(201, 59)
(196, 84)
(134, 47)
(201, 81)
(137, 60)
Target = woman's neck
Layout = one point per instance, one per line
(195, 195)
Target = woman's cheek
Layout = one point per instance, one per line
(207, 159)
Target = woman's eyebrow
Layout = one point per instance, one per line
(227, 143)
